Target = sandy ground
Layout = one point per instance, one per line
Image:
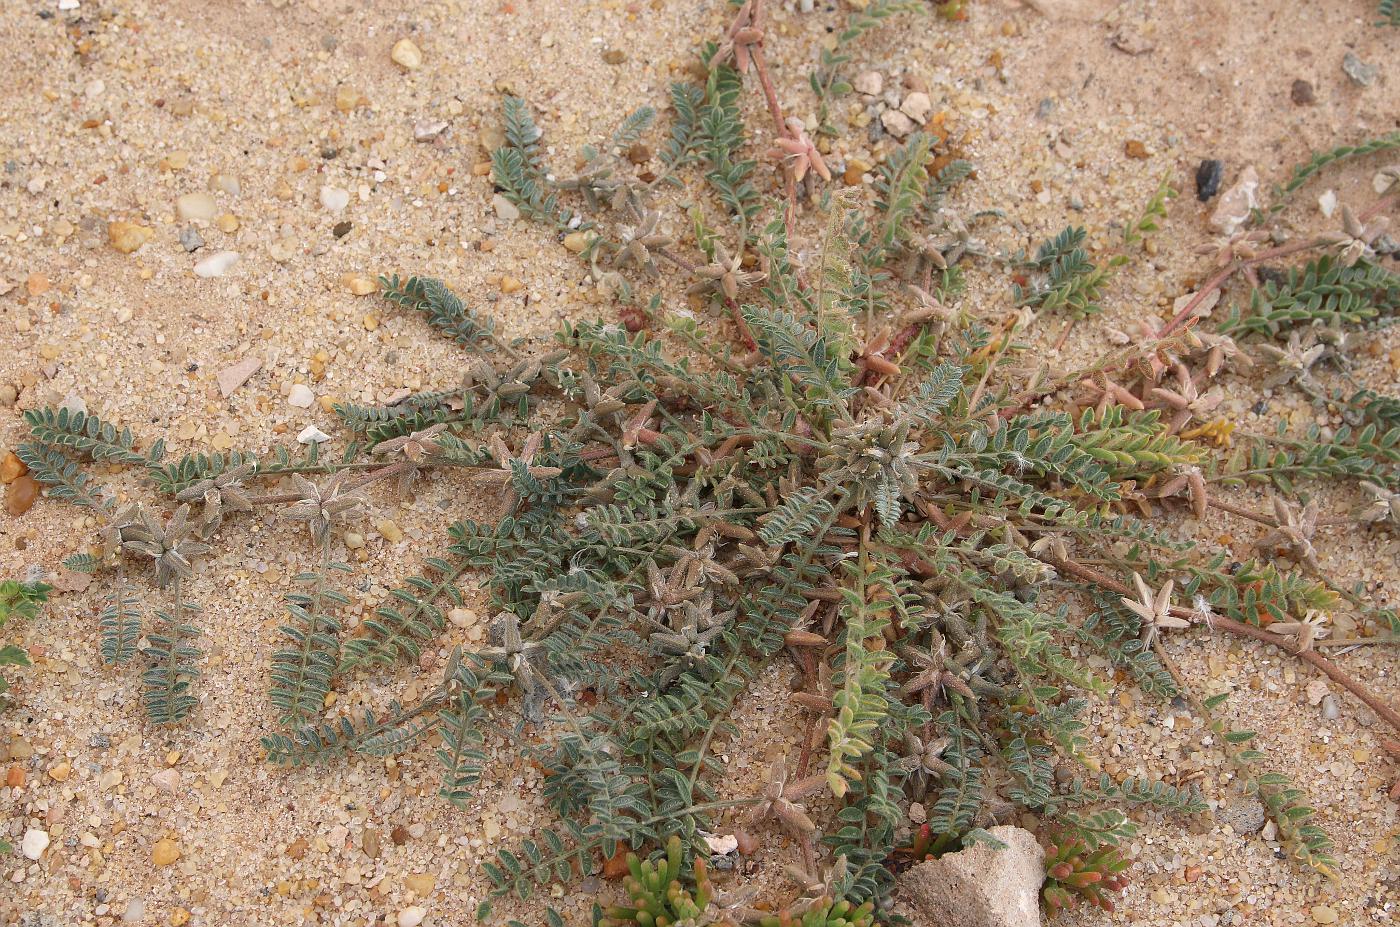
(114, 109)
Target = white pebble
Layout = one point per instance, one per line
(334, 198)
(301, 396)
(505, 209)
(312, 435)
(216, 264)
(135, 911)
(197, 206)
(167, 780)
(412, 916)
(34, 843)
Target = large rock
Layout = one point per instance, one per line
(979, 886)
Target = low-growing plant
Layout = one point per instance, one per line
(823, 453)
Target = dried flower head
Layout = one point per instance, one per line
(220, 494)
(1154, 608)
(1384, 505)
(725, 274)
(799, 151)
(322, 506)
(640, 240)
(171, 546)
(1292, 362)
(743, 34)
(1355, 240)
(1294, 534)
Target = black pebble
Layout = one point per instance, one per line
(341, 229)
(1208, 177)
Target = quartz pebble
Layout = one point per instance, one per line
(312, 435)
(412, 916)
(406, 55)
(896, 123)
(869, 83)
(301, 396)
(504, 208)
(127, 237)
(165, 852)
(199, 206)
(917, 107)
(359, 284)
(427, 131)
(190, 239)
(34, 843)
(335, 199)
(216, 264)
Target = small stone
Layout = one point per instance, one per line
(576, 241)
(614, 56)
(12, 468)
(869, 83)
(225, 183)
(412, 916)
(1331, 708)
(301, 396)
(37, 284)
(406, 55)
(8, 395)
(231, 378)
(1209, 173)
(511, 285)
(312, 435)
(341, 229)
(917, 107)
(462, 617)
(216, 264)
(199, 206)
(400, 833)
(179, 917)
(34, 843)
(1323, 914)
(1302, 94)
(228, 222)
(135, 911)
(190, 239)
(421, 883)
(504, 208)
(167, 780)
(896, 123)
(1361, 73)
(354, 540)
(359, 284)
(855, 172)
(165, 852)
(297, 848)
(980, 886)
(1328, 203)
(347, 98)
(1234, 206)
(334, 199)
(61, 771)
(1135, 149)
(127, 237)
(21, 495)
(1244, 815)
(427, 131)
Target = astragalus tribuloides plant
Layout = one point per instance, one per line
(823, 454)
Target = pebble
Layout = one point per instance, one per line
(61, 771)
(1233, 208)
(335, 199)
(167, 780)
(12, 468)
(1135, 149)
(576, 241)
(1360, 72)
(1302, 94)
(917, 106)
(504, 208)
(225, 183)
(427, 131)
(511, 285)
(1331, 709)
(199, 206)
(359, 284)
(34, 843)
(1208, 176)
(190, 239)
(231, 378)
(8, 394)
(37, 284)
(301, 396)
(341, 229)
(354, 541)
(869, 83)
(165, 852)
(412, 916)
(135, 911)
(421, 883)
(896, 123)
(312, 435)
(406, 55)
(127, 237)
(1323, 914)
(216, 264)
(21, 495)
